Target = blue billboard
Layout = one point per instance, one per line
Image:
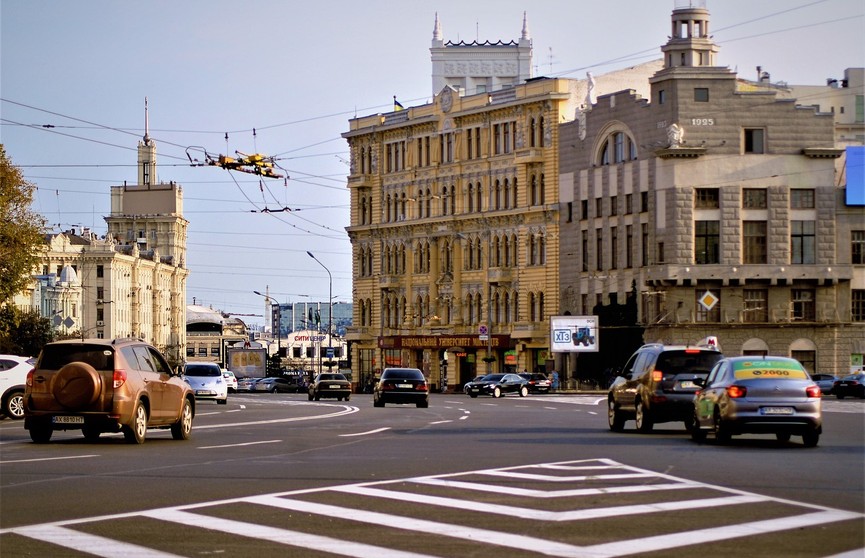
(855, 172)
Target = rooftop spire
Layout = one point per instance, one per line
(146, 124)
(437, 29)
(526, 35)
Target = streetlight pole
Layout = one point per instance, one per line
(278, 321)
(329, 306)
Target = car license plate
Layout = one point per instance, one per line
(68, 420)
(776, 410)
(334, 386)
(205, 392)
(404, 386)
(688, 384)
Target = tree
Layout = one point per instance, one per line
(20, 230)
(23, 333)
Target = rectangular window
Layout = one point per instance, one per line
(584, 244)
(614, 247)
(100, 271)
(644, 245)
(614, 205)
(644, 202)
(803, 305)
(754, 140)
(756, 306)
(599, 207)
(857, 247)
(629, 246)
(599, 248)
(802, 198)
(803, 242)
(202, 351)
(662, 96)
(707, 242)
(858, 308)
(754, 198)
(190, 351)
(584, 209)
(701, 94)
(214, 351)
(807, 358)
(707, 198)
(100, 293)
(754, 239)
(629, 204)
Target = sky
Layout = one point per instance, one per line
(283, 79)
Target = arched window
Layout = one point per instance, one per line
(471, 200)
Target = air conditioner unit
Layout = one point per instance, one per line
(99, 323)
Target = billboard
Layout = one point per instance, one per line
(855, 168)
(574, 334)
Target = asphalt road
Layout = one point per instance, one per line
(277, 475)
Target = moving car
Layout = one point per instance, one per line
(330, 384)
(498, 385)
(401, 385)
(825, 381)
(275, 384)
(206, 381)
(537, 383)
(105, 385)
(764, 395)
(230, 380)
(475, 379)
(13, 375)
(852, 385)
(658, 384)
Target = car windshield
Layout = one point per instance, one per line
(493, 377)
(330, 377)
(57, 356)
(854, 377)
(687, 361)
(193, 370)
(401, 374)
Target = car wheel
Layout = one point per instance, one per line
(40, 433)
(614, 417)
(689, 423)
(91, 433)
(137, 431)
(722, 433)
(347, 397)
(523, 391)
(473, 395)
(182, 429)
(810, 438)
(697, 433)
(222, 401)
(423, 404)
(497, 392)
(377, 403)
(782, 436)
(641, 416)
(839, 395)
(273, 390)
(13, 407)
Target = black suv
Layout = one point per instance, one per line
(657, 384)
(105, 385)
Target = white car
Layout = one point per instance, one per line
(13, 374)
(230, 380)
(206, 381)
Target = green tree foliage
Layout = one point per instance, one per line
(23, 333)
(20, 230)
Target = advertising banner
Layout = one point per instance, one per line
(574, 334)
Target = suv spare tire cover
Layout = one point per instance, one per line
(77, 385)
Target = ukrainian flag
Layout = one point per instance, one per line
(396, 105)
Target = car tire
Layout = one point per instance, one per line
(698, 434)
(13, 407)
(473, 395)
(423, 404)
(317, 397)
(642, 418)
(614, 417)
(182, 429)
(782, 436)
(810, 438)
(347, 397)
(222, 401)
(523, 391)
(136, 432)
(377, 403)
(77, 385)
(497, 392)
(272, 390)
(722, 432)
(839, 395)
(41, 432)
(91, 433)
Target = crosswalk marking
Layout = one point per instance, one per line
(91, 544)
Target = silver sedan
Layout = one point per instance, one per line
(762, 395)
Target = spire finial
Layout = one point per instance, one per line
(146, 124)
(526, 34)
(437, 29)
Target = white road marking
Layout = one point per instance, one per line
(376, 431)
(526, 492)
(347, 410)
(47, 459)
(91, 544)
(441, 422)
(243, 444)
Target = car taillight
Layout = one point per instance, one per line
(735, 392)
(657, 375)
(421, 386)
(385, 386)
(119, 378)
(812, 391)
(29, 380)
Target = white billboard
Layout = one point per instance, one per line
(574, 334)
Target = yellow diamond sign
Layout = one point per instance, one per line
(708, 300)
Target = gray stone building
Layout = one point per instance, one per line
(717, 204)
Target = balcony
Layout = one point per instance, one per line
(499, 275)
(529, 155)
(389, 281)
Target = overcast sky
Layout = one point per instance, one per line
(296, 72)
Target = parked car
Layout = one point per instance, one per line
(537, 383)
(330, 384)
(230, 380)
(275, 384)
(247, 384)
(498, 385)
(658, 384)
(401, 385)
(825, 381)
(105, 385)
(206, 381)
(852, 385)
(765, 395)
(13, 375)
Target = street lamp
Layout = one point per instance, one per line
(278, 321)
(329, 307)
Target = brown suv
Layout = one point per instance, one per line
(104, 385)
